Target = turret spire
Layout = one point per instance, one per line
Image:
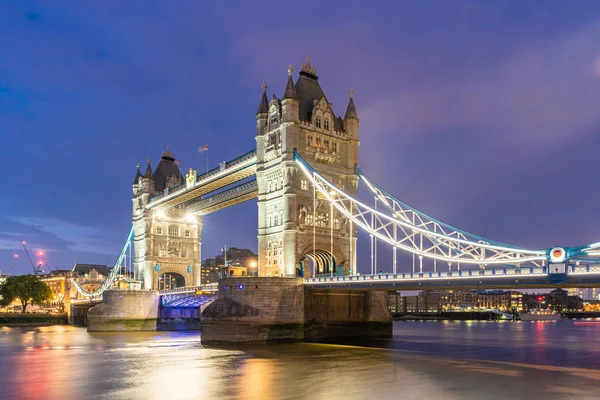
(263, 107)
(138, 175)
(290, 89)
(148, 173)
(351, 110)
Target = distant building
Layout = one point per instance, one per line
(59, 281)
(456, 300)
(210, 271)
(90, 276)
(240, 262)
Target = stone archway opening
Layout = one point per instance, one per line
(318, 263)
(170, 281)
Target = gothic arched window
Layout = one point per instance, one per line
(318, 122)
(173, 230)
(326, 124)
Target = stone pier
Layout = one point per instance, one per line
(125, 311)
(263, 310)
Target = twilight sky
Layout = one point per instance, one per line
(485, 115)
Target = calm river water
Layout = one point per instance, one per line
(425, 360)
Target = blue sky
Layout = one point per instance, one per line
(483, 114)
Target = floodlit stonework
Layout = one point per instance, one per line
(299, 233)
(294, 230)
(166, 242)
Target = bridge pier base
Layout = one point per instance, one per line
(125, 311)
(262, 310)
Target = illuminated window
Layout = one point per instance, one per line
(336, 223)
(318, 122)
(159, 230)
(162, 253)
(309, 140)
(322, 219)
(326, 124)
(309, 219)
(318, 142)
(173, 230)
(303, 184)
(326, 144)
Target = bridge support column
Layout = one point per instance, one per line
(264, 310)
(334, 314)
(125, 311)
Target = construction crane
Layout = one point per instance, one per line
(41, 254)
(36, 269)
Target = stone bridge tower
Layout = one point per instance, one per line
(166, 242)
(294, 237)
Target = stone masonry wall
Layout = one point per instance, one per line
(125, 311)
(255, 310)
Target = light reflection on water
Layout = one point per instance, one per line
(425, 360)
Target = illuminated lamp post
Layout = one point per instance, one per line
(253, 268)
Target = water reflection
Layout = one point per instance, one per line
(425, 360)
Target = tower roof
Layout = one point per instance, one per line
(138, 175)
(308, 90)
(263, 107)
(166, 168)
(290, 90)
(351, 110)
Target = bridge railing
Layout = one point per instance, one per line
(473, 273)
(209, 287)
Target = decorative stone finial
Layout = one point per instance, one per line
(308, 68)
(148, 159)
(137, 165)
(264, 86)
(290, 70)
(351, 93)
(168, 155)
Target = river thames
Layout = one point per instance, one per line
(424, 360)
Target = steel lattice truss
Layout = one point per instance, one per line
(412, 231)
(107, 283)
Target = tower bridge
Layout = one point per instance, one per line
(304, 176)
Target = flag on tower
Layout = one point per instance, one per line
(203, 148)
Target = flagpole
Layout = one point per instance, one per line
(207, 161)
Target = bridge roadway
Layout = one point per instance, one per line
(498, 278)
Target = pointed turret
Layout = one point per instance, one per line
(351, 110)
(351, 120)
(290, 103)
(290, 89)
(263, 107)
(148, 173)
(138, 175)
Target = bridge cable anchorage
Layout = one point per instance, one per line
(108, 282)
(438, 241)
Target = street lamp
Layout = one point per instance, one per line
(253, 267)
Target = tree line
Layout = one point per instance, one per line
(28, 289)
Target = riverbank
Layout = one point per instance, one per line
(17, 319)
(450, 315)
